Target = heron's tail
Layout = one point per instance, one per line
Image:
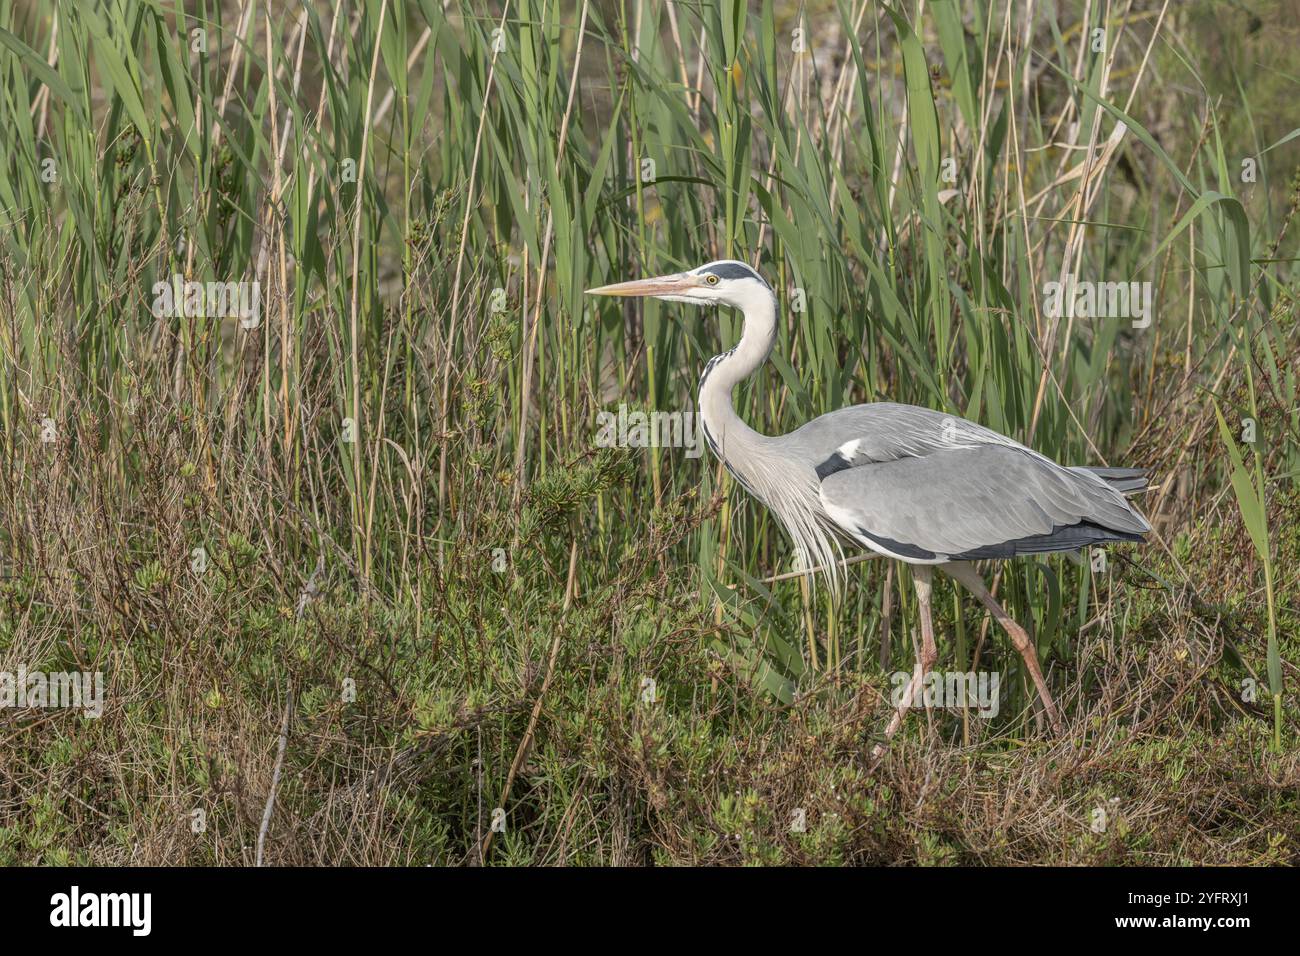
(1121, 479)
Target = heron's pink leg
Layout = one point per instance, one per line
(971, 581)
(921, 578)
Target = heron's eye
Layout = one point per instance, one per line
(711, 279)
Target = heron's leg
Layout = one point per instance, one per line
(921, 578)
(971, 581)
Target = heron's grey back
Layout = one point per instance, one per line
(939, 485)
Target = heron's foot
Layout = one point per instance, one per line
(969, 579)
(1030, 657)
(1049, 706)
(896, 721)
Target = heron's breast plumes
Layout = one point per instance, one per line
(789, 490)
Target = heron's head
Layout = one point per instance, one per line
(725, 282)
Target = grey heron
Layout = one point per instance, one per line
(910, 483)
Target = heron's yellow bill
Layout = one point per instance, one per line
(678, 282)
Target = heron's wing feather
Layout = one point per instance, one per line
(885, 431)
(964, 500)
(1121, 479)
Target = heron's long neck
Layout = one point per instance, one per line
(787, 485)
(724, 372)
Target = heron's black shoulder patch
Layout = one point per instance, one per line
(900, 548)
(831, 465)
(732, 270)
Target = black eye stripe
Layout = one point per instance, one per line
(732, 270)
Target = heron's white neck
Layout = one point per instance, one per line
(724, 372)
(787, 484)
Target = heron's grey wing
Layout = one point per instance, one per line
(1121, 479)
(884, 431)
(993, 500)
